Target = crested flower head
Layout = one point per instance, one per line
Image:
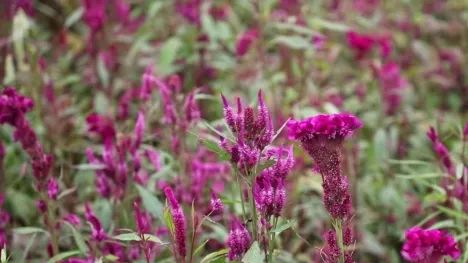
(322, 137)
(238, 241)
(428, 245)
(217, 206)
(324, 126)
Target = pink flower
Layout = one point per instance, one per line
(322, 137)
(52, 188)
(428, 246)
(216, 205)
(72, 219)
(178, 218)
(101, 125)
(391, 83)
(13, 106)
(245, 41)
(361, 44)
(142, 218)
(94, 14)
(97, 232)
(238, 241)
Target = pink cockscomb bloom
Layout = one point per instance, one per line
(428, 245)
(238, 240)
(178, 218)
(245, 41)
(322, 137)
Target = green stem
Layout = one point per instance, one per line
(254, 211)
(339, 238)
(272, 240)
(240, 193)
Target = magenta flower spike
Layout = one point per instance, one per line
(322, 137)
(143, 219)
(52, 188)
(391, 83)
(428, 245)
(245, 41)
(238, 241)
(97, 232)
(216, 205)
(139, 130)
(178, 218)
(441, 150)
(94, 14)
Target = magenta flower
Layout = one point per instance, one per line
(391, 83)
(245, 41)
(73, 219)
(52, 188)
(322, 137)
(178, 218)
(238, 241)
(94, 14)
(216, 205)
(102, 126)
(360, 43)
(441, 150)
(190, 10)
(428, 246)
(142, 218)
(139, 131)
(97, 232)
(13, 106)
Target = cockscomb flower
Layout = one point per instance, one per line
(142, 218)
(322, 136)
(190, 10)
(94, 14)
(101, 125)
(178, 218)
(360, 43)
(269, 194)
(138, 131)
(441, 150)
(52, 188)
(73, 219)
(331, 251)
(238, 241)
(216, 205)
(13, 106)
(97, 232)
(391, 83)
(428, 245)
(245, 41)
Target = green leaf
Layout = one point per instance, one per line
(265, 165)
(136, 237)
(168, 55)
(320, 23)
(151, 203)
(254, 254)
(214, 147)
(293, 42)
(454, 213)
(215, 255)
(74, 17)
(282, 227)
(64, 255)
(102, 72)
(3, 255)
(89, 166)
(29, 230)
(199, 248)
(79, 240)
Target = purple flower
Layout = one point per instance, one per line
(101, 125)
(331, 251)
(154, 158)
(238, 241)
(391, 83)
(322, 137)
(190, 10)
(52, 188)
(360, 43)
(178, 218)
(97, 232)
(72, 219)
(441, 150)
(139, 130)
(13, 106)
(94, 14)
(269, 194)
(245, 41)
(217, 206)
(428, 246)
(142, 218)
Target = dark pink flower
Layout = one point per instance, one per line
(245, 41)
(178, 218)
(101, 125)
(361, 44)
(441, 150)
(428, 246)
(216, 205)
(52, 188)
(190, 10)
(72, 219)
(13, 106)
(322, 137)
(142, 218)
(238, 241)
(94, 14)
(97, 232)
(391, 82)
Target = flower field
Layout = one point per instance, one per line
(250, 131)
